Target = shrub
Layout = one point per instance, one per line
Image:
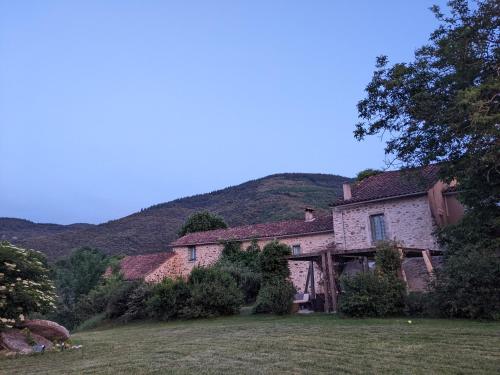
(387, 259)
(247, 280)
(136, 303)
(468, 285)
(274, 262)
(169, 299)
(276, 296)
(380, 293)
(25, 286)
(96, 301)
(369, 294)
(420, 304)
(213, 293)
(243, 266)
(119, 298)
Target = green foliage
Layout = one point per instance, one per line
(276, 293)
(25, 286)
(201, 222)
(444, 106)
(119, 298)
(420, 304)
(213, 293)
(375, 294)
(136, 302)
(468, 286)
(79, 273)
(170, 299)
(276, 296)
(365, 173)
(243, 266)
(273, 261)
(367, 294)
(387, 259)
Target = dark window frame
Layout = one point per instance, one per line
(295, 247)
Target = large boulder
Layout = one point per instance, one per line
(46, 328)
(17, 341)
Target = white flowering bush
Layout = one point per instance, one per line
(25, 286)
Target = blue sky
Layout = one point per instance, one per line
(107, 107)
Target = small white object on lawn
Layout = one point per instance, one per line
(409, 321)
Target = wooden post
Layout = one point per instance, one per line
(401, 269)
(326, 281)
(313, 286)
(365, 264)
(426, 254)
(331, 274)
(307, 280)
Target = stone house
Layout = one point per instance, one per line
(142, 267)
(404, 206)
(204, 248)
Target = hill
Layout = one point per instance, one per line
(272, 198)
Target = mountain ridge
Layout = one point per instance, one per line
(275, 197)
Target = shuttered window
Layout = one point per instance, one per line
(378, 227)
(296, 250)
(192, 253)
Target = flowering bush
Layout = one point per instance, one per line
(25, 286)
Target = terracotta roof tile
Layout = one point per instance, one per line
(265, 230)
(138, 266)
(392, 184)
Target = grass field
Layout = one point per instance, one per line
(267, 344)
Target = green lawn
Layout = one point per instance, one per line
(265, 344)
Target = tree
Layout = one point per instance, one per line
(444, 106)
(25, 286)
(201, 222)
(79, 273)
(274, 262)
(468, 286)
(365, 173)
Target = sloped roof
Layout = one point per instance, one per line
(393, 184)
(265, 230)
(138, 266)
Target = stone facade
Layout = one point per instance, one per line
(208, 254)
(408, 221)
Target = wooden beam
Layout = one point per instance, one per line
(313, 286)
(307, 279)
(401, 269)
(426, 254)
(333, 288)
(365, 264)
(326, 282)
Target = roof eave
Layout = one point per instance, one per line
(252, 238)
(378, 199)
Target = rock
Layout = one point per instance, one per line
(16, 341)
(46, 328)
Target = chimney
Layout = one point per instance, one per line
(309, 214)
(346, 186)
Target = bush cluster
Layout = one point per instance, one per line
(208, 292)
(380, 293)
(277, 292)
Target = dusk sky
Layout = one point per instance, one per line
(107, 107)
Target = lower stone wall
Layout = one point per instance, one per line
(209, 254)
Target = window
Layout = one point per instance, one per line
(378, 227)
(296, 250)
(192, 253)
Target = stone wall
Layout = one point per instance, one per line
(407, 220)
(209, 254)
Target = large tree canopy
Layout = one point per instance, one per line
(202, 221)
(444, 105)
